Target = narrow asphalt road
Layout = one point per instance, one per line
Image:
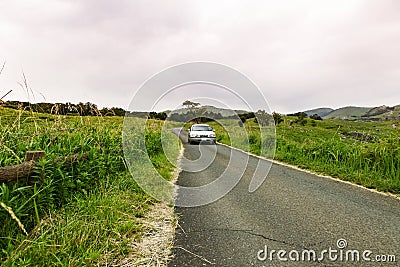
(293, 211)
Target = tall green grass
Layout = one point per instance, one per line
(81, 213)
(327, 147)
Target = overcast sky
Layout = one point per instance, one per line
(301, 54)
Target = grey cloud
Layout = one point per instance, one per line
(301, 53)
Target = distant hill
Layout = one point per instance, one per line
(358, 113)
(383, 113)
(378, 111)
(319, 111)
(348, 113)
(224, 112)
(365, 113)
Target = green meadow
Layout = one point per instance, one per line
(365, 153)
(85, 212)
(88, 211)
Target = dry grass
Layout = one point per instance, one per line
(154, 249)
(15, 218)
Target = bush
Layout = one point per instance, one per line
(316, 117)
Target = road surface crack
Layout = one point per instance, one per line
(253, 233)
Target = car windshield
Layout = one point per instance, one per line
(201, 128)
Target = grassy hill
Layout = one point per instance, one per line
(348, 113)
(384, 113)
(319, 111)
(365, 113)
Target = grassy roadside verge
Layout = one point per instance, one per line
(365, 153)
(86, 213)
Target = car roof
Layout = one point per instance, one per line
(201, 125)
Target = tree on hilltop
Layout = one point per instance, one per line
(277, 118)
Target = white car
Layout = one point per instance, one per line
(201, 132)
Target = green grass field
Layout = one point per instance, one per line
(365, 153)
(84, 213)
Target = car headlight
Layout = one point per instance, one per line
(193, 135)
(212, 135)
